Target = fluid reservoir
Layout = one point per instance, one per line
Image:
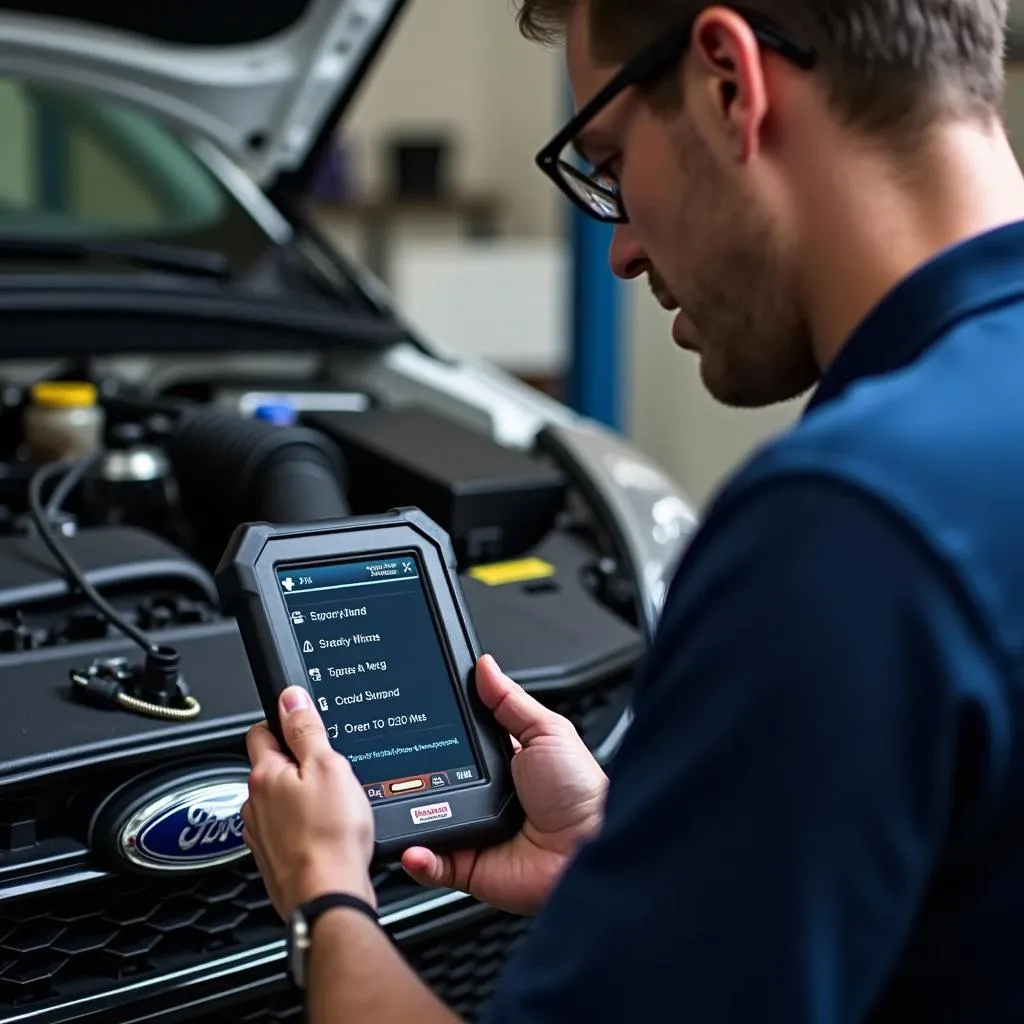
(63, 419)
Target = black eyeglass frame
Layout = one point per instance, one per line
(646, 67)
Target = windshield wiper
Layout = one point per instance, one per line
(153, 255)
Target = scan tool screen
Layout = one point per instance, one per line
(378, 673)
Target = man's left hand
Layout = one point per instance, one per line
(307, 821)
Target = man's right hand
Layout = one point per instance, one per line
(561, 788)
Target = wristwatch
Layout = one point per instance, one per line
(300, 928)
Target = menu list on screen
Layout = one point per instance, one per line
(378, 674)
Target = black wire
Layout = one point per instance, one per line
(74, 574)
(71, 479)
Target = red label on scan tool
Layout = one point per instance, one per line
(430, 812)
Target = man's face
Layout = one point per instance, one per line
(706, 236)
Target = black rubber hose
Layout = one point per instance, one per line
(297, 484)
(233, 470)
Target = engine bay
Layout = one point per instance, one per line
(165, 475)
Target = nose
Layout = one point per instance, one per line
(628, 260)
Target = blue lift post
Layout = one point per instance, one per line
(596, 383)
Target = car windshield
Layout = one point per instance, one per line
(81, 168)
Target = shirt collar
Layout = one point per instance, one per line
(984, 271)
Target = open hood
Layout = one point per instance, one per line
(265, 80)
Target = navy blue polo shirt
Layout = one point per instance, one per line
(818, 813)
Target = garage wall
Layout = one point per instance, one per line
(461, 65)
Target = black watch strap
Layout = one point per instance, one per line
(301, 931)
(314, 908)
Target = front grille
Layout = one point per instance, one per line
(285, 1008)
(80, 941)
(71, 943)
(393, 885)
(461, 966)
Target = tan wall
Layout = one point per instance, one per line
(462, 66)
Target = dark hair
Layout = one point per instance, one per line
(887, 64)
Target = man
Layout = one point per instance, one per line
(818, 814)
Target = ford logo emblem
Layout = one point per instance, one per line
(185, 824)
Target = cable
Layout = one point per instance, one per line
(143, 707)
(104, 684)
(105, 692)
(75, 575)
(71, 479)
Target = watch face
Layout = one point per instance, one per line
(298, 946)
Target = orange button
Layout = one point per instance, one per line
(406, 787)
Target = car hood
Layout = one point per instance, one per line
(266, 80)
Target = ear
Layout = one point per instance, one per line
(727, 69)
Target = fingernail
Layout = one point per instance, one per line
(295, 698)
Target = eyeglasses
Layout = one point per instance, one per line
(593, 189)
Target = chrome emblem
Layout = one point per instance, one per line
(195, 827)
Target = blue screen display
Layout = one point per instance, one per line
(378, 673)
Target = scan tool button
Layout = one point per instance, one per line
(407, 786)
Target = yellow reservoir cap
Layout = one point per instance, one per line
(58, 394)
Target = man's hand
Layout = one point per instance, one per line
(562, 790)
(308, 821)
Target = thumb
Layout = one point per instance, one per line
(440, 871)
(430, 869)
(301, 725)
(515, 710)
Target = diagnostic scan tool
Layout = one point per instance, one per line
(367, 614)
